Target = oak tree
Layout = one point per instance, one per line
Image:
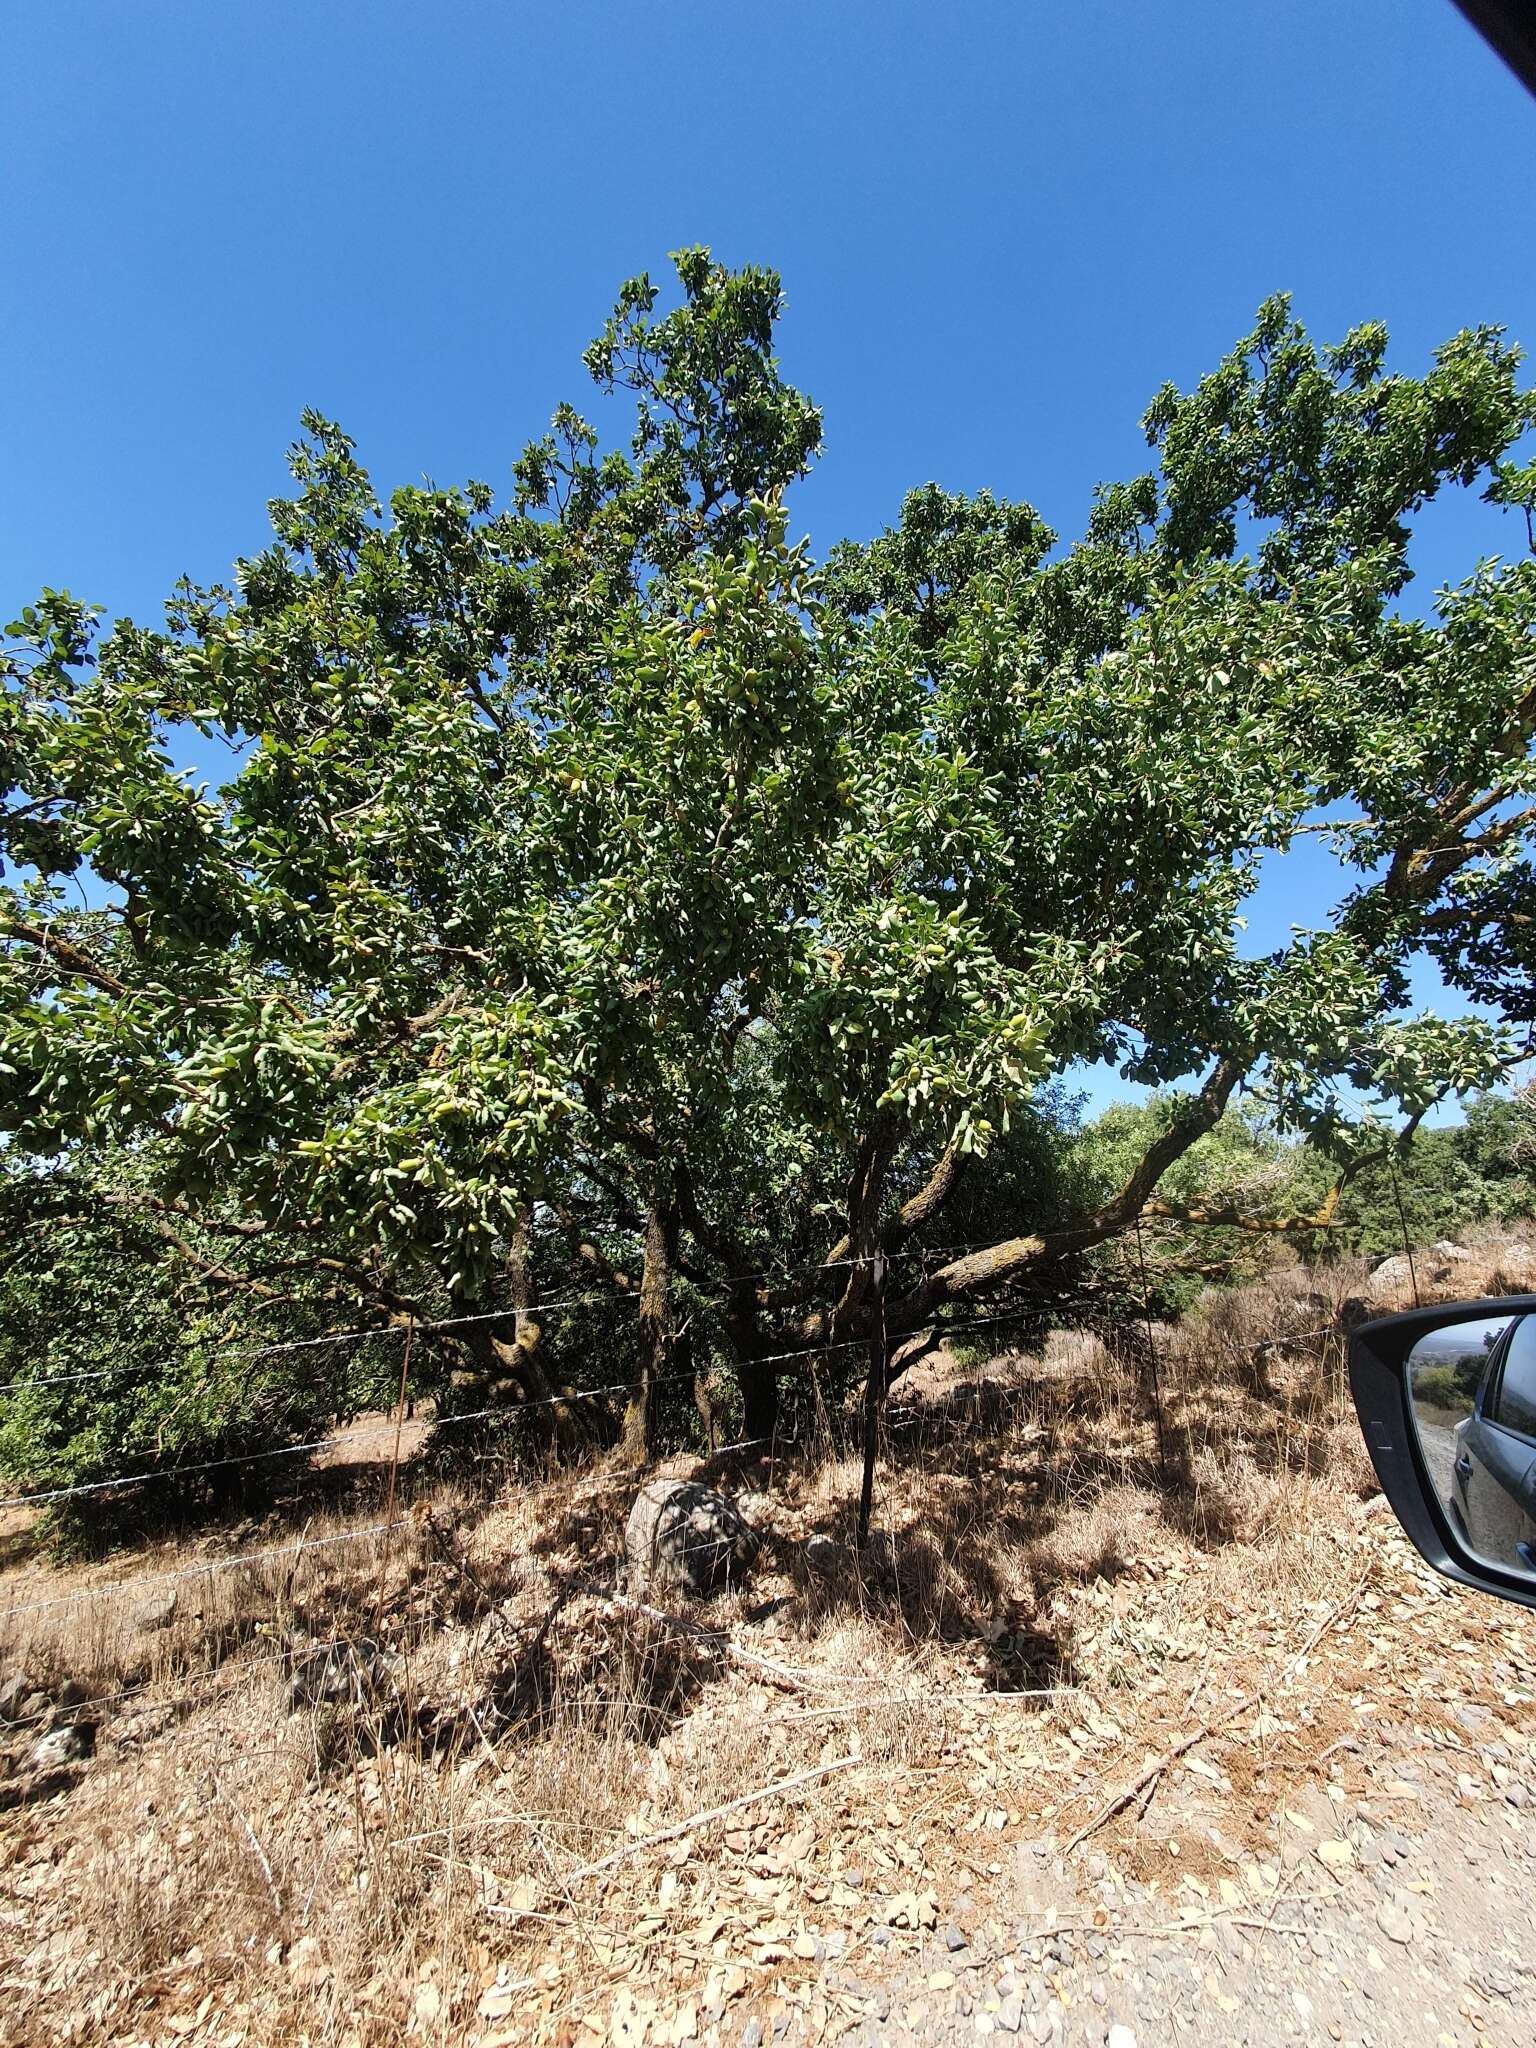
(603, 886)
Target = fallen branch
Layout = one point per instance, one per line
(1001, 1694)
(1159, 1765)
(781, 1674)
(686, 1827)
(1198, 1925)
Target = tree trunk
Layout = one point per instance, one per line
(571, 1427)
(511, 1373)
(759, 1400)
(874, 1400)
(703, 1393)
(639, 1429)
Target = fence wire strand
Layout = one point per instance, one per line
(48, 1496)
(241, 1355)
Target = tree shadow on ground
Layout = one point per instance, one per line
(995, 1488)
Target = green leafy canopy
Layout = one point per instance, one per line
(599, 850)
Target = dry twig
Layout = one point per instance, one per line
(781, 1675)
(260, 1854)
(695, 1820)
(1171, 1755)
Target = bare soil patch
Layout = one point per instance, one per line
(533, 1808)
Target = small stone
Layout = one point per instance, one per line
(752, 2034)
(337, 1673)
(12, 1695)
(1010, 2014)
(954, 1940)
(1122, 2036)
(1394, 1922)
(62, 1746)
(828, 1558)
(157, 1612)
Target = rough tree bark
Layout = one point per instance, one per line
(637, 1435)
(573, 1426)
(514, 1372)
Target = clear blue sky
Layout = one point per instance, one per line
(1001, 226)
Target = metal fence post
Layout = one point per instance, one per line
(874, 1393)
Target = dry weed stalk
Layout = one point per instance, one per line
(540, 1736)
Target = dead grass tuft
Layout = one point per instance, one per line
(366, 1865)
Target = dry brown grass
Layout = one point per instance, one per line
(349, 1870)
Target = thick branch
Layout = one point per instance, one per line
(214, 1269)
(1224, 1216)
(74, 959)
(593, 1255)
(981, 1271)
(1416, 873)
(920, 1209)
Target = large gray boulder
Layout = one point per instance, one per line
(684, 1538)
(1391, 1284)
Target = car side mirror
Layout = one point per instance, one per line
(1447, 1399)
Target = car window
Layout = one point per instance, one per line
(1515, 1399)
(1488, 1381)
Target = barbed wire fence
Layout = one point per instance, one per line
(809, 1416)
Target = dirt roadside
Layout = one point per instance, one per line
(820, 1808)
(1387, 1898)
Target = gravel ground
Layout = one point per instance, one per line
(1430, 1937)
(1397, 1907)
(1277, 1787)
(1439, 1446)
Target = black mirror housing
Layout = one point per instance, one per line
(1426, 1388)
